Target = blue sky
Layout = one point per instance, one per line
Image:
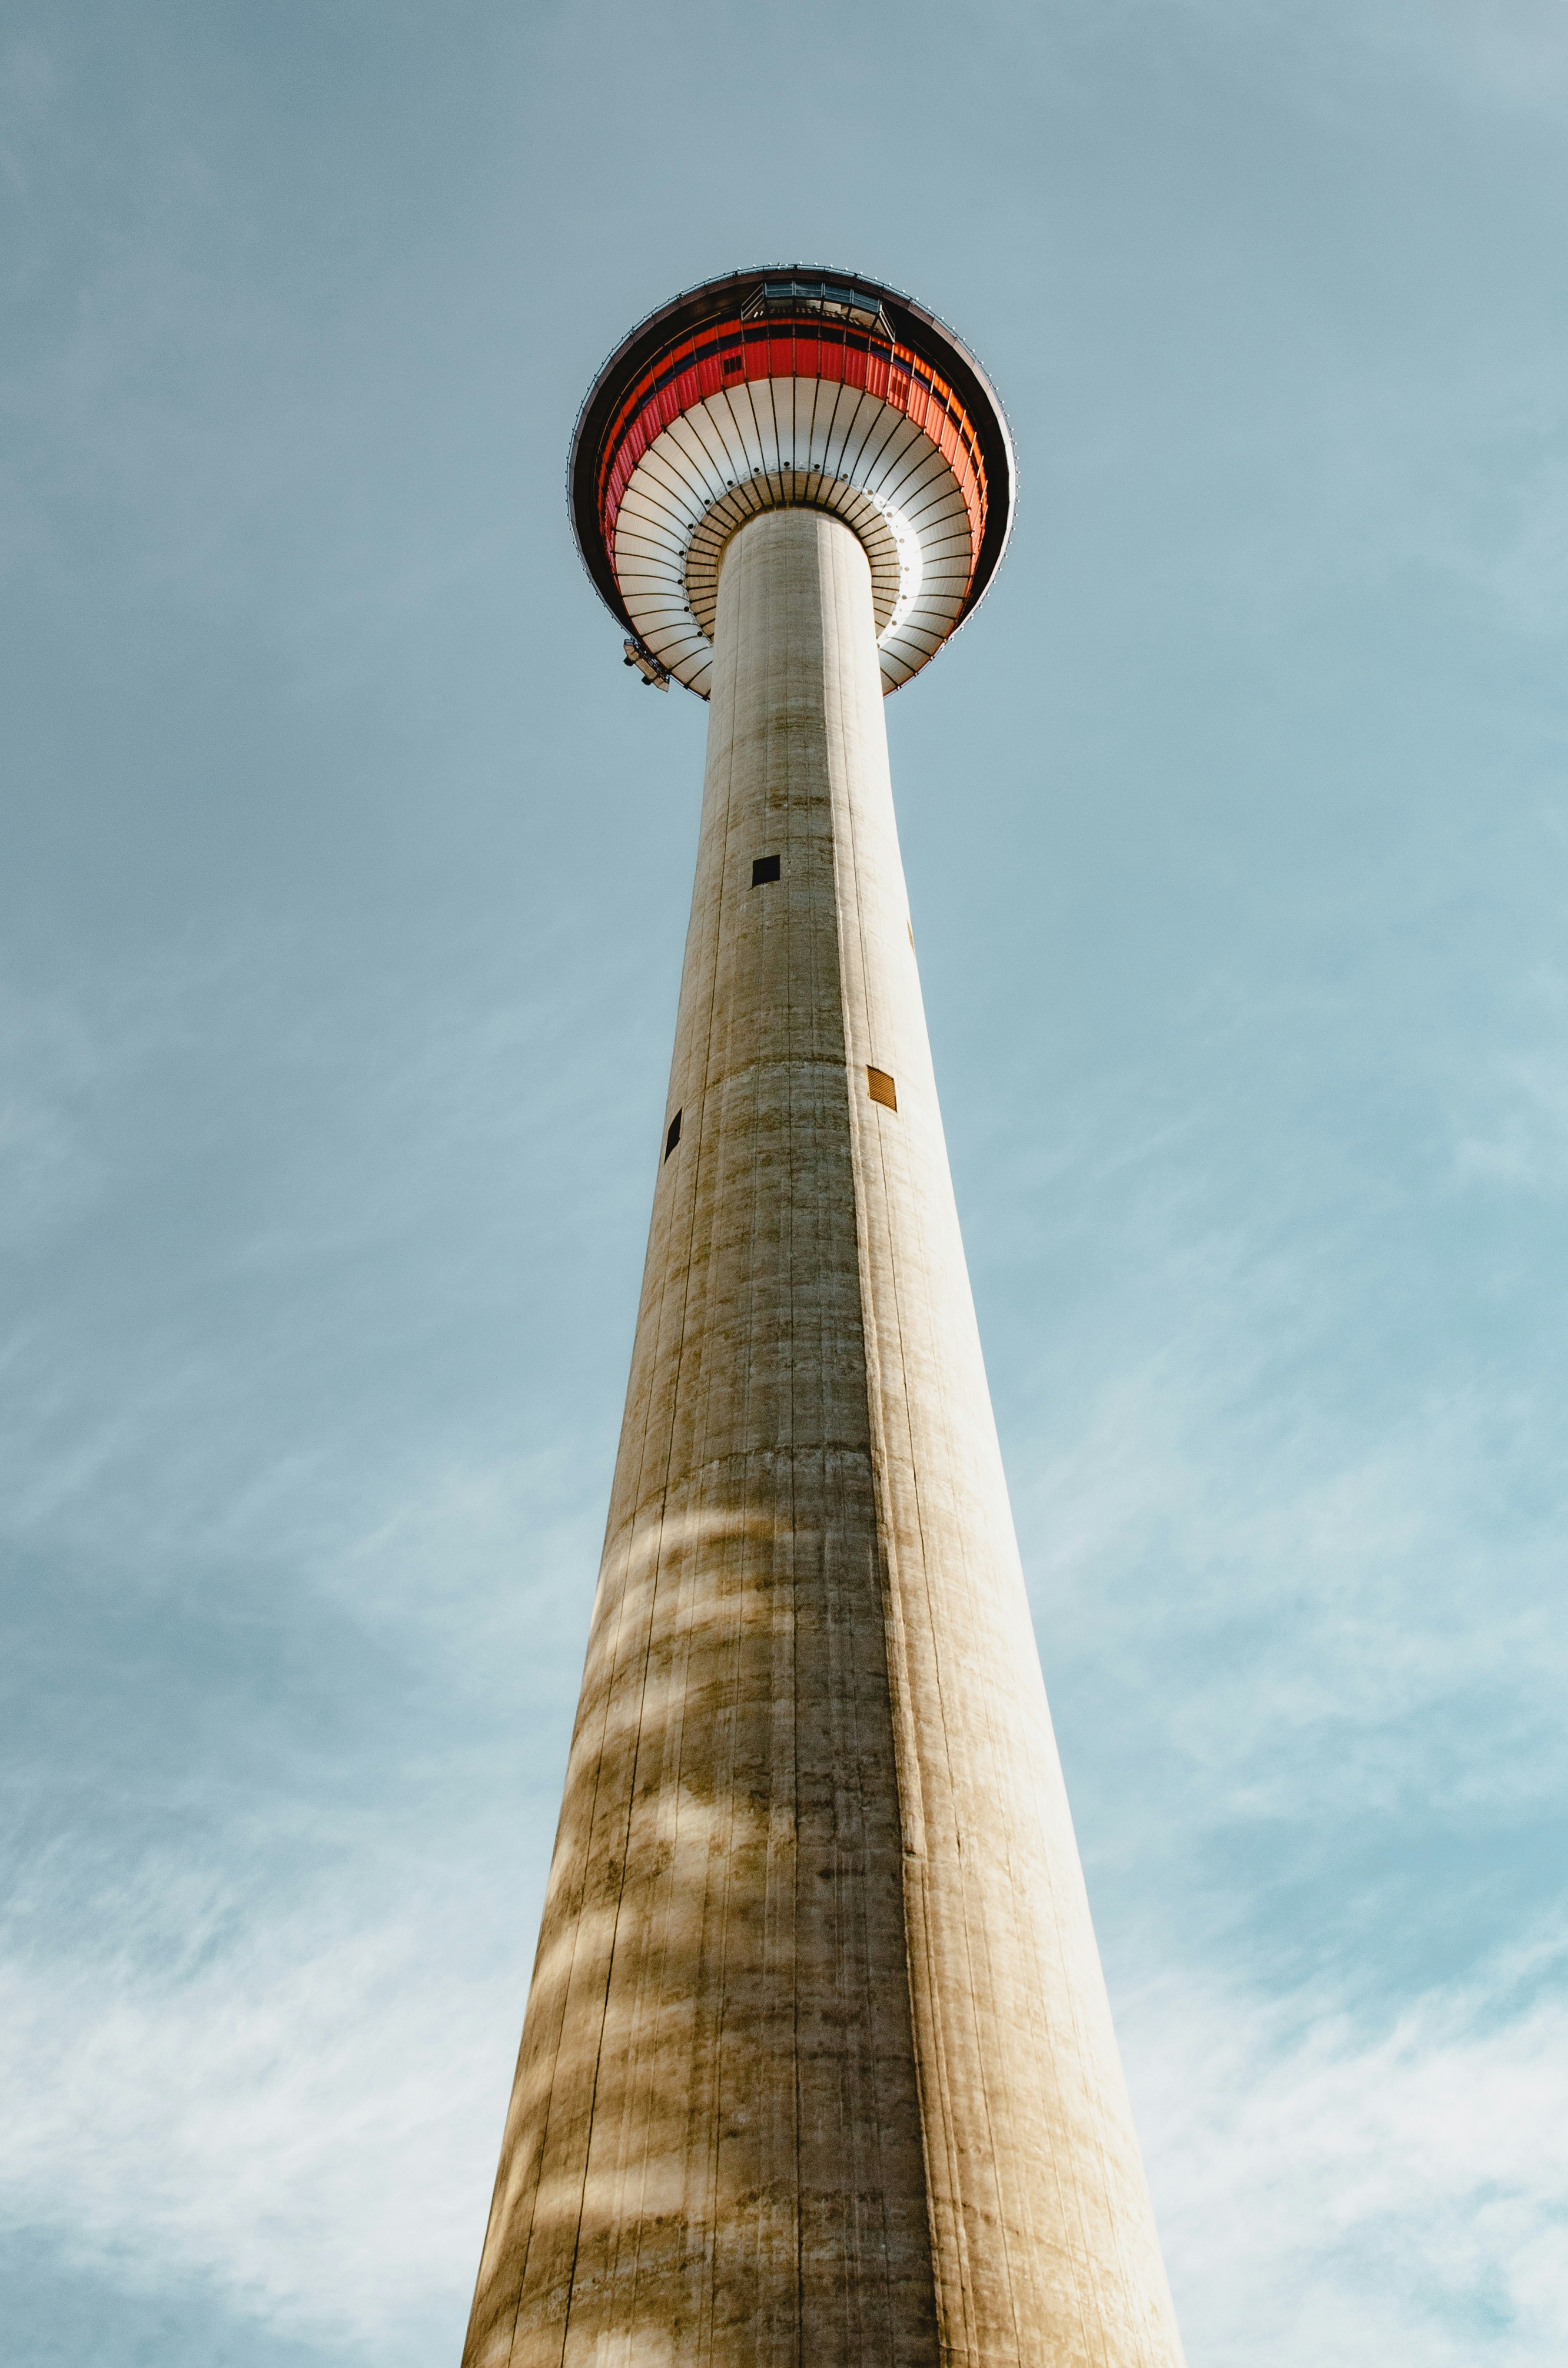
(343, 894)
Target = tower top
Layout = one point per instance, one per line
(790, 387)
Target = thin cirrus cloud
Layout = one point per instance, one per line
(1385, 2192)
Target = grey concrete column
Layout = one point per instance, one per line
(817, 2066)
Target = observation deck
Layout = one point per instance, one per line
(790, 388)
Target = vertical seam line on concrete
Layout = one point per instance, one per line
(881, 1514)
(654, 1577)
(918, 1484)
(708, 2046)
(831, 556)
(875, 1126)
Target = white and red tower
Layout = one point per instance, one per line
(817, 2069)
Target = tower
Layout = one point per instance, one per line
(818, 2068)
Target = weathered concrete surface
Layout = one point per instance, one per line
(817, 2066)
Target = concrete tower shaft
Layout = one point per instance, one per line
(817, 2067)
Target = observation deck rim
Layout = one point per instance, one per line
(913, 325)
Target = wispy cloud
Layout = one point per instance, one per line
(1389, 2196)
(298, 2106)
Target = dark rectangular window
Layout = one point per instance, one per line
(764, 867)
(674, 1135)
(734, 364)
(881, 1087)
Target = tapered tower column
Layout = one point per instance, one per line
(817, 2069)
